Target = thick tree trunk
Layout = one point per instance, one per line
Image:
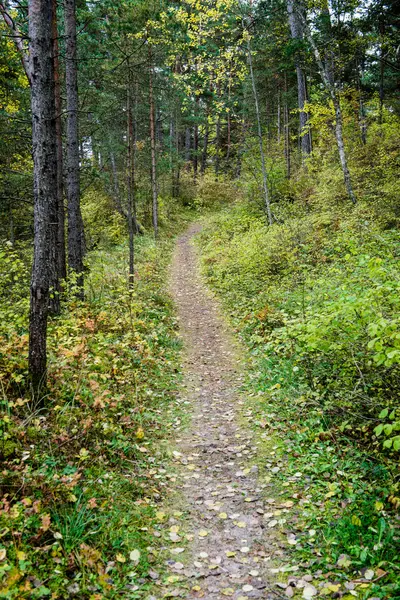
(45, 184)
(260, 139)
(76, 242)
(297, 33)
(153, 150)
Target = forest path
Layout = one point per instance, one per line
(230, 550)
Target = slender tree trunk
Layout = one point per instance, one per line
(327, 76)
(217, 147)
(278, 118)
(205, 146)
(228, 122)
(187, 145)
(297, 33)
(153, 149)
(75, 224)
(363, 121)
(18, 39)
(381, 70)
(45, 185)
(260, 139)
(130, 186)
(196, 141)
(177, 173)
(287, 131)
(11, 224)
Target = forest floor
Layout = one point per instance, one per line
(232, 549)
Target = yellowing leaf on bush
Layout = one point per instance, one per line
(83, 454)
(21, 555)
(3, 553)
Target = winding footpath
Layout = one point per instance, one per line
(232, 550)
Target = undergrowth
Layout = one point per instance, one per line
(82, 478)
(316, 301)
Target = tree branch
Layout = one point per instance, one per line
(18, 39)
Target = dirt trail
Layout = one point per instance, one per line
(230, 550)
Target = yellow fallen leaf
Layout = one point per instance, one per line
(228, 591)
(203, 533)
(139, 433)
(241, 524)
(230, 554)
(223, 515)
(120, 558)
(21, 555)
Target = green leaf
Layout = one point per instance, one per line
(396, 443)
(384, 413)
(388, 429)
(378, 429)
(387, 443)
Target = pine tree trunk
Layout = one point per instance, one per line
(196, 142)
(278, 118)
(60, 242)
(76, 242)
(205, 146)
(286, 132)
(187, 145)
(45, 185)
(130, 186)
(217, 147)
(153, 150)
(260, 139)
(297, 33)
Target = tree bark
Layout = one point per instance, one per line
(45, 185)
(297, 33)
(328, 78)
(130, 186)
(76, 242)
(260, 139)
(18, 40)
(61, 254)
(286, 132)
(153, 149)
(205, 145)
(187, 145)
